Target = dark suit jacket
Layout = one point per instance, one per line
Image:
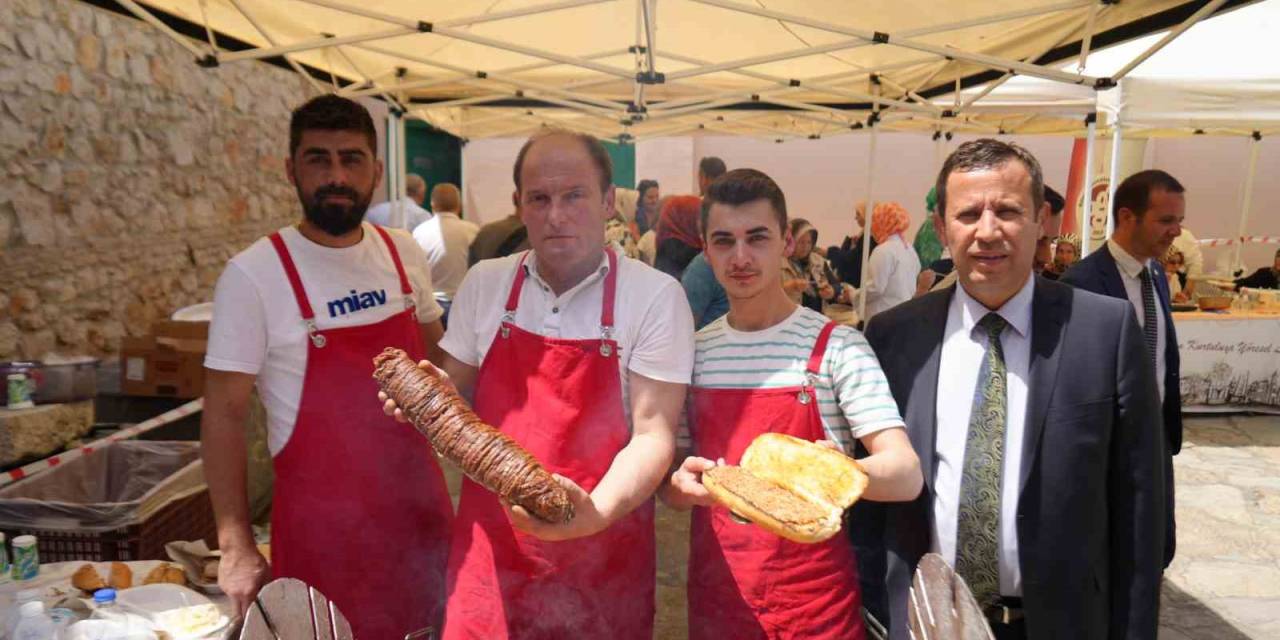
(1091, 509)
(1099, 273)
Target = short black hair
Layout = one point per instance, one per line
(331, 113)
(711, 167)
(1134, 193)
(595, 149)
(989, 153)
(1056, 202)
(741, 186)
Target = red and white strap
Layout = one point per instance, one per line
(1223, 242)
(14, 475)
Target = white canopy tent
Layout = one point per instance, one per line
(628, 70)
(1202, 83)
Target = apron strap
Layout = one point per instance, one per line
(607, 300)
(610, 290)
(295, 281)
(395, 258)
(819, 350)
(513, 298)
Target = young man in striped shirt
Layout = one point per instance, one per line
(759, 369)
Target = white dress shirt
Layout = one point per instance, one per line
(893, 268)
(446, 238)
(963, 348)
(652, 322)
(1130, 269)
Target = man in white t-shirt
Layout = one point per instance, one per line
(581, 356)
(415, 193)
(773, 366)
(360, 510)
(446, 239)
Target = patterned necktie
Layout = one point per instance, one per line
(978, 526)
(1148, 313)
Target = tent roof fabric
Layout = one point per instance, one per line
(631, 69)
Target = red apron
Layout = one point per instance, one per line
(360, 511)
(745, 582)
(561, 400)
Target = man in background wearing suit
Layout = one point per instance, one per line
(1033, 409)
(1149, 209)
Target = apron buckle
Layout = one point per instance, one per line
(803, 396)
(606, 334)
(317, 338)
(506, 331)
(410, 305)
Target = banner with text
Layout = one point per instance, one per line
(1230, 365)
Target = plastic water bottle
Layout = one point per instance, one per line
(33, 624)
(105, 607)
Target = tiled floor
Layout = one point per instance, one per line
(1225, 581)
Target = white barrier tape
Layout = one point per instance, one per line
(14, 475)
(1223, 242)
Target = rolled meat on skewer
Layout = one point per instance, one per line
(488, 456)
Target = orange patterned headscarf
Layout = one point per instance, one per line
(888, 220)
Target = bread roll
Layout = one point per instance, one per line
(87, 579)
(121, 576)
(210, 570)
(790, 487)
(166, 573)
(488, 456)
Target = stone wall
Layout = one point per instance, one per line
(128, 175)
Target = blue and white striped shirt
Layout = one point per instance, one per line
(853, 395)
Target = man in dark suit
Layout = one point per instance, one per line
(1149, 208)
(1034, 412)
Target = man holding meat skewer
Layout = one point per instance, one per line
(360, 511)
(582, 357)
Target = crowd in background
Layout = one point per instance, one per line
(662, 230)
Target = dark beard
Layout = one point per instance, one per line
(335, 220)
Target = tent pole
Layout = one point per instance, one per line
(866, 230)
(147, 17)
(939, 153)
(1116, 139)
(1255, 148)
(1084, 225)
(1087, 44)
(401, 172)
(308, 45)
(994, 62)
(389, 171)
(1204, 12)
(315, 84)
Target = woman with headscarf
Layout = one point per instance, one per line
(646, 214)
(677, 237)
(894, 265)
(807, 277)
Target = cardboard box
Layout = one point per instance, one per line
(169, 362)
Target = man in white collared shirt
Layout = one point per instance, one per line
(446, 238)
(1150, 206)
(1032, 407)
(582, 357)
